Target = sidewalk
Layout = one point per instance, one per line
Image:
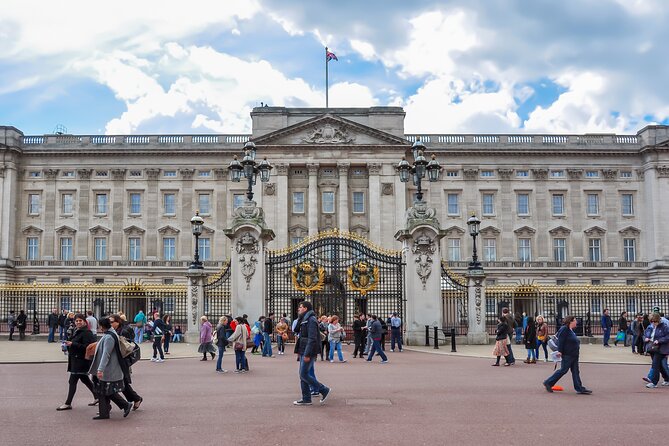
(18, 352)
(590, 353)
(39, 351)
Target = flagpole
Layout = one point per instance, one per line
(326, 77)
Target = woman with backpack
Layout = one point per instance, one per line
(501, 342)
(568, 347)
(530, 339)
(77, 364)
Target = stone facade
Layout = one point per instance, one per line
(554, 208)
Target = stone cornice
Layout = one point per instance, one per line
(50, 174)
(84, 174)
(540, 174)
(118, 174)
(505, 174)
(186, 174)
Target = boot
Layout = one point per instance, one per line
(533, 361)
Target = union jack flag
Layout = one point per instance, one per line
(329, 55)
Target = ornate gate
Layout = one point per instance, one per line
(341, 273)
(455, 300)
(217, 297)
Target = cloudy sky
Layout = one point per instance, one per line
(484, 66)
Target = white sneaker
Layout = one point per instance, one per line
(160, 360)
(665, 383)
(651, 386)
(153, 359)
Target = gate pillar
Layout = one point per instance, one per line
(420, 243)
(194, 304)
(249, 236)
(476, 332)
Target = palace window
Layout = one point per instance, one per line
(593, 204)
(489, 249)
(488, 204)
(557, 173)
(135, 248)
(238, 200)
(169, 248)
(101, 203)
(451, 173)
(100, 248)
(523, 204)
(625, 174)
(135, 203)
(453, 205)
(595, 249)
(358, 202)
(204, 204)
(524, 250)
(67, 203)
(298, 202)
(558, 204)
(522, 173)
(32, 248)
(454, 249)
(204, 248)
(34, 204)
(560, 249)
(169, 204)
(328, 202)
(628, 204)
(591, 174)
(170, 173)
(629, 250)
(66, 248)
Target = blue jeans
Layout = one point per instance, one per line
(658, 366)
(376, 348)
(62, 333)
(221, 349)
(139, 334)
(607, 335)
(568, 363)
(177, 337)
(267, 345)
(334, 345)
(519, 334)
(531, 354)
(541, 344)
(52, 334)
(510, 358)
(395, 336)
(308, 381)
(240, 359)
(280, 343)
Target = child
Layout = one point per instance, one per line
(178, 335)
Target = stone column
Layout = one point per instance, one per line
(194, 303)
(313, 199)
(476, 333)
(249, 236)
(374, 202)
(117, 213)
(343, 196)
(188, 208)
(282, 203)
(152, 208)
(420, 243)
(84, 212)
(49, 207)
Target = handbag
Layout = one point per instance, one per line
(284, 336)
(90, 350)
(238, 346)
(620, 336)
(134, 356)
(126, 347)
(654, 348)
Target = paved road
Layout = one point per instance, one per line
(416, 399)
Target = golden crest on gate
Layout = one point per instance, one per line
(307, 277)
(363, 277)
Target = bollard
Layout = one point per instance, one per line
(427, 336)
(436, 338)
(453, 340)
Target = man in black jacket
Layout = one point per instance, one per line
(308, 348)
(62, 324)
(52, 322)
(267, 329)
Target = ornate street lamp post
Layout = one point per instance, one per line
(420, 167)
(474, 224)
(249, 169)
(197, 223)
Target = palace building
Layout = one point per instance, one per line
(555, 209)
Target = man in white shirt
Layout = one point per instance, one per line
(92, 322)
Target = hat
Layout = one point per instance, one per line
(656, 309)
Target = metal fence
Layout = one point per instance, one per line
(39, 300)
(554, 302)
(217, 295)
